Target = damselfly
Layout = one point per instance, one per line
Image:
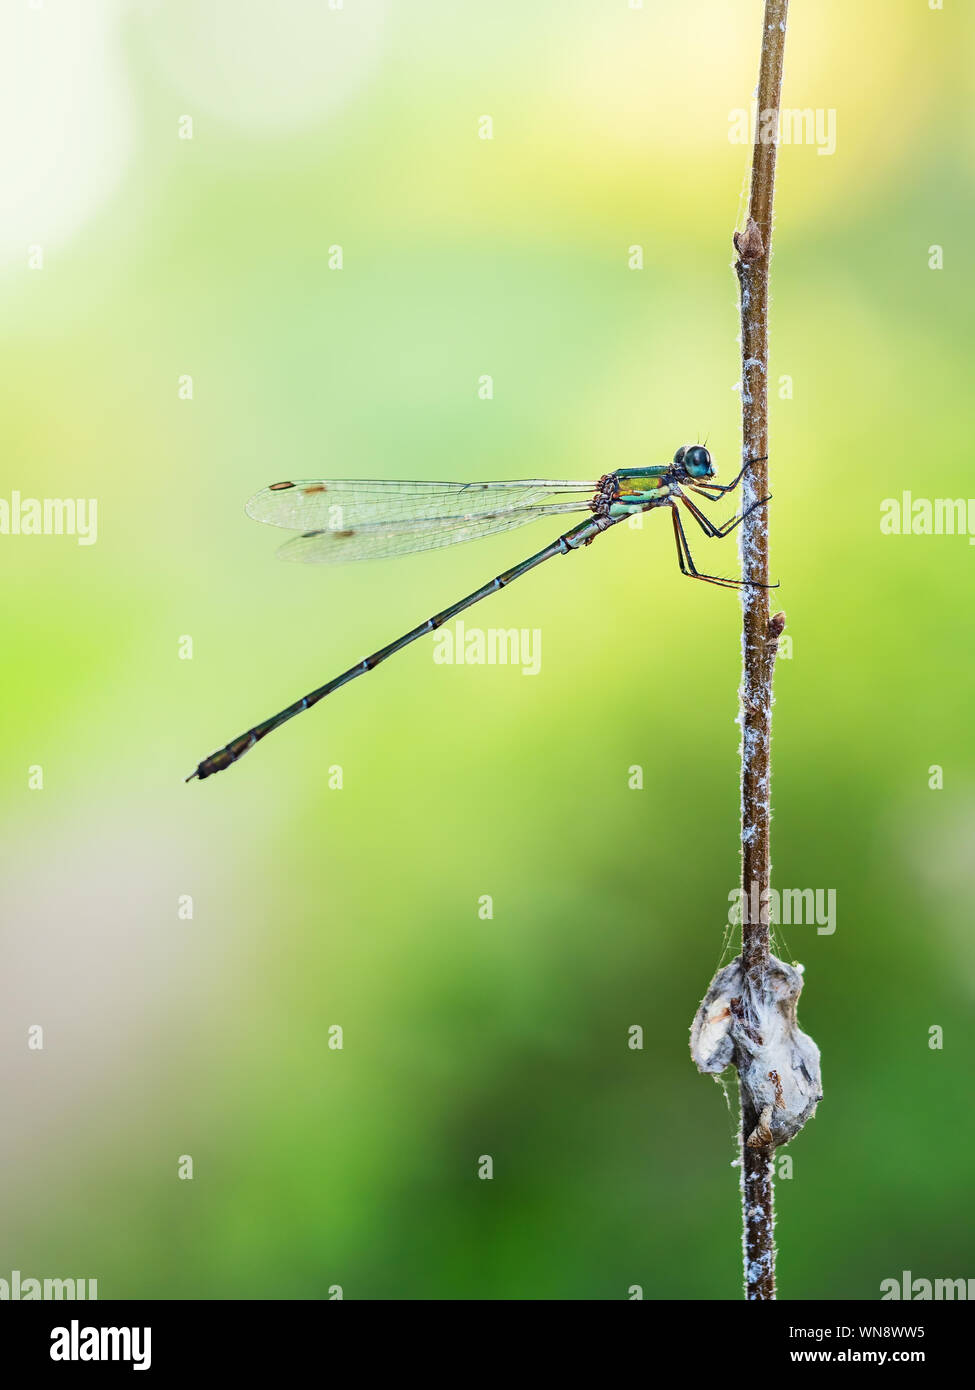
(343, 520)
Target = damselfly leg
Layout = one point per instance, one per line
(686, 560)
(718, 532)
(715, 491)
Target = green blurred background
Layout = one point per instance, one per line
(315, 907)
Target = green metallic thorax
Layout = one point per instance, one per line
(639, 488)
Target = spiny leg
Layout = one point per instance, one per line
(708, 526)
(688, 567)
(685, 561)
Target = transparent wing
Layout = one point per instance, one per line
(379, 541)
(343, 504)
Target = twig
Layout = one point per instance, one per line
(760, 635)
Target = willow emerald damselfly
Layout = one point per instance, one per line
(343, 520)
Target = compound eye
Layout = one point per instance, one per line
(679, 456)
(697, 461)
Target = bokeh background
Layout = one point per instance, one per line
(314, 907)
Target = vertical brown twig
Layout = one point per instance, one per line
(760, 635)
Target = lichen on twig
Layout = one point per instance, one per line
(760, 636)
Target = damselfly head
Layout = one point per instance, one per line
(695, 460)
